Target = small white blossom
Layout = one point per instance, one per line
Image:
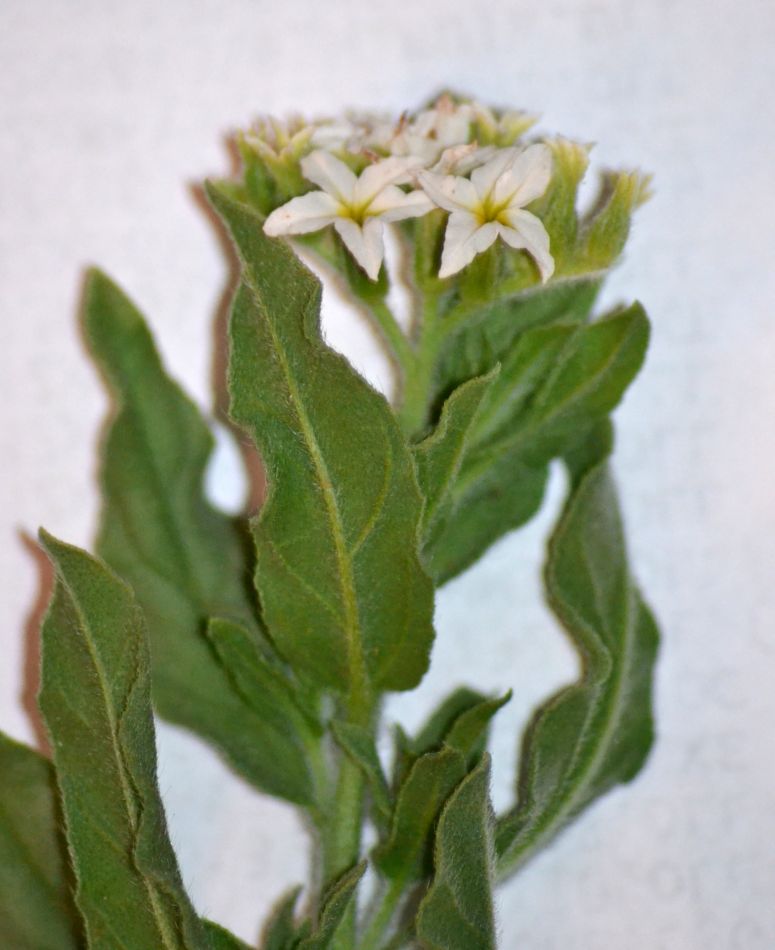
(356, 205)
(426, 136)
(461, 159)
(490, 205)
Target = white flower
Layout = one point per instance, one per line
(356, 205)
(461, 159)
(428, 134)
(491, 204)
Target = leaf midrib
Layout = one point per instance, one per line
(120, 764)
(533, 426)
(356, 661)
(556, 817)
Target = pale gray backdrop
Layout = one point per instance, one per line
(110, 110)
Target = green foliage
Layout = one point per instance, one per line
(335, 905)
(185, 561)
(598, 732)
(280, 932)
(221, 939)
(406, 853)
(276, 639)
(484, 467)
(36, 910)
(457, 911)
(95, 698)
(343, 499)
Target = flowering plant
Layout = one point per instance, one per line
(277, 637)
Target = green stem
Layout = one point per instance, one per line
(383, 916)
(418, 376)
(395, 337)
(343, 821)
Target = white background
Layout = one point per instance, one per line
(109, 111)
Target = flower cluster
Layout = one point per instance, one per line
(369, 171)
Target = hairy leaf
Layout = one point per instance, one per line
(221, 939)
(457, 911)
(597, 732)
(439, 457)
(486, 335)
(468, 733)
(185, 561)
(281, 932)
(342, 589)
(335, 905)
(406, 853)
(280, 710)
(95, 699)
(36, 909)
(555, 385)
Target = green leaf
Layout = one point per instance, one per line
(457, 911)
(342, 589)
(95, 699)
(335, 904)
(443, 718)
(406, 853)
(358, 743)
(185, 561)
(502, 498)
(597, 732)
(460, 722)
(438, 457)
(557, 382)
(483, 336)
(280, 932)
(468, 733)
(281, 710)
(582, 375)
(36, 909)
(221, 939)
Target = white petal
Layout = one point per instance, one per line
(330, 174)
(528, 233)
(364, 243)
(484, 178)
(461, 159)
(392, 204)
(375, 178)
(463, 240)
(309, 212)
(449, 191)
(526, 179)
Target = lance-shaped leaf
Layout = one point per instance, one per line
(560, 381)
(185, 561)
(457, 911)
(335, 905)
(289, 728)
(280, 931)
(597, 732)
(342, 590)
(405, 855)
(95, 699)
(221, 939)
(557, 383)
(461, 722)
(439, 457)
(484, 336)
(36, 908)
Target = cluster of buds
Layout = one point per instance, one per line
(469, 163)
